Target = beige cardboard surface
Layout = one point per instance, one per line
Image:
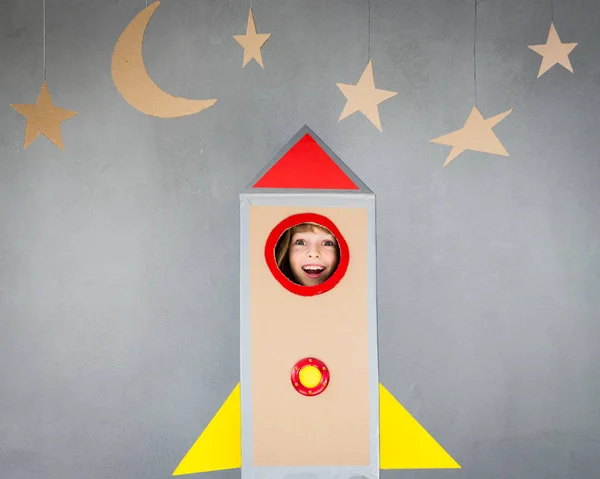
(133, 82)
(476, 135)
(290, 429)
(364, 97)
(43, 117)
(252, 42)
(554, 52)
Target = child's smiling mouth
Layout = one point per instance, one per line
(313, 270)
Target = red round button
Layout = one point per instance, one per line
(310, 376)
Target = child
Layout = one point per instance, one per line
(308, 254)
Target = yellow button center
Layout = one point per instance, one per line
(310, 376)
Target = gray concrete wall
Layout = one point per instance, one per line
(119, 257)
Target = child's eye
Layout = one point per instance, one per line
(299, 242)
(328, 243)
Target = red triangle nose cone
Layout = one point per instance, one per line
(307, 166)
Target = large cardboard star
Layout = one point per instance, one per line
(554, 52)
(364, 97)
(252, 42)
(476, 135)
(43, 117)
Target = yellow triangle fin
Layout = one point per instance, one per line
(219, 447)
(404, 443)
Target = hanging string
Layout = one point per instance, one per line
(369, 30)
(552, 10)
(474, 54)
(44, 41)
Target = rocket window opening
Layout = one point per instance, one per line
(307, 254)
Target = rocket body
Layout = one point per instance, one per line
(285, 432)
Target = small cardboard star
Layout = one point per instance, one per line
(43, 117)
(554, 52)
(476, 135)
(252, 42)
(364, 97)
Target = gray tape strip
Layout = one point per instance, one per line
(310, 200)
(245, 356)
(317, 472)
(373, 334)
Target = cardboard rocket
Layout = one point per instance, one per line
(309, 403)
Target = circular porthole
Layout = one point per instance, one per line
(310, 376)
(307, 254)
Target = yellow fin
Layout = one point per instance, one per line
(220, 445)
(404, 443)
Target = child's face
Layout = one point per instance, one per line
(313, 256)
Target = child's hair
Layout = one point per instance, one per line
(282, 250)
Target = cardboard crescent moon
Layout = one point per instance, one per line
(133, 82)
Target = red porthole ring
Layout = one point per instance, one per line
(310, 391)
(298, 289)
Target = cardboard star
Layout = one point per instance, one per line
(364, 97)
(476, 135)
(43, 117)
(554, 52)
(252, 42)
